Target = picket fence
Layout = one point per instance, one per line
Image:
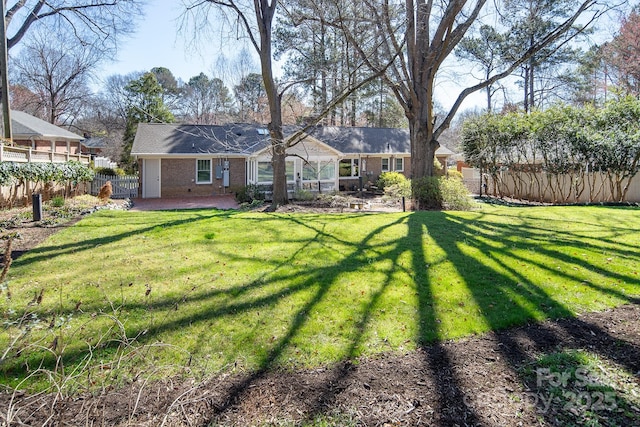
(123, 187)
(104, 162)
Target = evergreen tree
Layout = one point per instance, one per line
(143, 105)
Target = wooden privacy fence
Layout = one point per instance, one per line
(594, 187)
(123, 187)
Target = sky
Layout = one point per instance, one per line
(156, 43)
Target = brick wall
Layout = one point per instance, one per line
(179, 178)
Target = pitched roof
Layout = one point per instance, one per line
(95, 142)
(356, 140)
(162, 138)
(369, 140)
(244, 139)
(25, 126)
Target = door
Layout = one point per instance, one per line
(150, 178)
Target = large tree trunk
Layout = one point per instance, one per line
(265, 12)
(423, 149)
(278, 161)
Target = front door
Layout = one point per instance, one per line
(150, 178)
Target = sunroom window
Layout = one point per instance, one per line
(265, 171)
(318, 171)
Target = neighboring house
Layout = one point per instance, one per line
(180, 160)
(35, 140)
(93, 146)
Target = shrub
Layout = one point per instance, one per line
(248, 194)
(438, 170)
(453, 173)
(303, 195)
(397, 191)
(455, 195)
(436, 192)
(110, 171)
(426, 192)
(388, 179)
(57, 202)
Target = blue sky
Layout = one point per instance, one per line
(156, 43)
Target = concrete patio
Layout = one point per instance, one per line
(208, 202)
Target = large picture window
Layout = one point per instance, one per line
(319, 171)
(203, 171)
(265, 171)
(326, 171)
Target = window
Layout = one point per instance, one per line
(265, 171)
(399, 164)
(349, 167)
(385, 165)
(203, 171)
(318, 171)
(326, 171)
(309, 172)
(290, 168)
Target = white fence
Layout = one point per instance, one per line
(123, 187)
(104, 162)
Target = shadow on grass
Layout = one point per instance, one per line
(503, 295)
(509, 284)
(47, 252)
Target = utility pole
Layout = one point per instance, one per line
(4, 79)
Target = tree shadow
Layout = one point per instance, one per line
(527, 300)
(426, 234)
(45, 252)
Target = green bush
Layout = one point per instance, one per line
(455, 195)
(248, 194)
(110, 171)
(397, 191)
(436, 192)
(57, 202)
(426, 192)
(388, 179)
(303, 195)
(453, 173)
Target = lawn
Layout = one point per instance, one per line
(202, 291)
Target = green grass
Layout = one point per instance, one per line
(202, 291)
(578, 388)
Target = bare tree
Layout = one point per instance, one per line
(57, 71)
(255, 19)
(93, 22)
(431, 31)
(89, 20)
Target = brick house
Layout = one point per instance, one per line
(180, 160)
